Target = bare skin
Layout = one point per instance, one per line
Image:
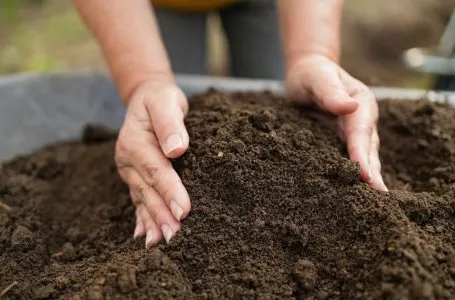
(154, 131)
(311, 39)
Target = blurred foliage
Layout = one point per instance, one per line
(9, 9)
(41, 36)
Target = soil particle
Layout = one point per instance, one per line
(68, 252)
(62, 282)
(22, 238)
(279, 212)
(127, 279)
(95, 292)
(306, 274)
(45, 292)
(74, 235)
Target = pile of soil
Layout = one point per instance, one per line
(278, 212)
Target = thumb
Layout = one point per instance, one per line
(331, 94)
(167, 111)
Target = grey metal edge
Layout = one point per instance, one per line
(39, 109)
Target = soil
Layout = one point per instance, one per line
(278, 212)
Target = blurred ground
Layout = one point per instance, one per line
(375, 33)
(47, 35)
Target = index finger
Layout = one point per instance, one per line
(359, 128)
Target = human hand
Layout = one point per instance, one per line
(153, 132)
(316, 79)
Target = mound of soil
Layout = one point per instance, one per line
(278, 212)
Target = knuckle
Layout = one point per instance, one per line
(122, 166)
(140, 192)
(119, 149)
(134, 199)
(162, 178)
(152, 173)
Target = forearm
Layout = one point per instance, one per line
(310, 27)
(129, 38)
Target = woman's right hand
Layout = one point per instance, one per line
(153, 132)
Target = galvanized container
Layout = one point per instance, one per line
(36, 110)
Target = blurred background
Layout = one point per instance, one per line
(47, 35)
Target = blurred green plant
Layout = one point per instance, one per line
(9, 9)
(40, 36)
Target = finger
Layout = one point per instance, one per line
(360, 126)
(378, 182)
(358, 141)
(139, 150)
(139, 231)
(342, 128)
(155, 206)
(152, 230)
(167, 110)
(157, 172)
(144, 222)
(329, 91)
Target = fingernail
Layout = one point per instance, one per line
(138, 231)
(167, 232)
(384, 186)
(173, 142)
(177, 211)
(148, 239)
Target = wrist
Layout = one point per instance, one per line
(127, 85)
(307, 59)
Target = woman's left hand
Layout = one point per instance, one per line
(316, 79)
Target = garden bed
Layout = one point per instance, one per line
(278, 211)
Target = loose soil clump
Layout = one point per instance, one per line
(278, 212)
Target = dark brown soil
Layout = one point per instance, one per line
(278, 212)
